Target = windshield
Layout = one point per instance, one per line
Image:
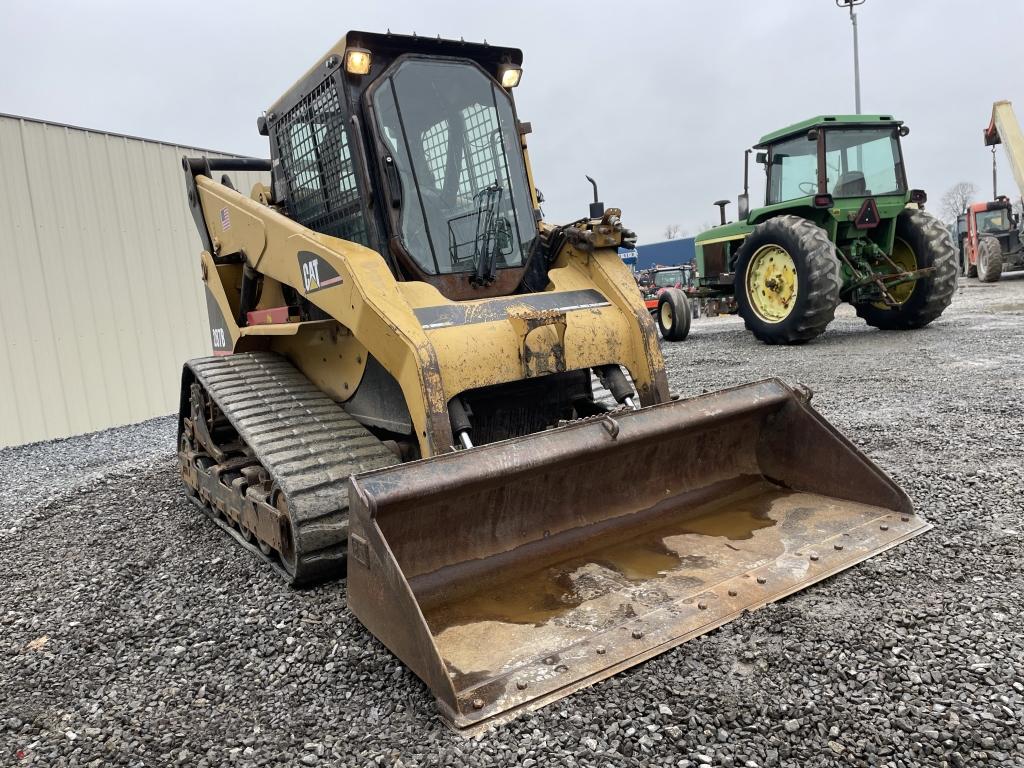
(465, 205)
(858, 162)
(863, 162)
(669, 279)
(794, 170)
(994, 221)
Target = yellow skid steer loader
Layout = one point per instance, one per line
(418, 378)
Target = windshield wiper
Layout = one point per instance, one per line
(486, 245)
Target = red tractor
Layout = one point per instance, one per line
(989, 240)
(665, 291)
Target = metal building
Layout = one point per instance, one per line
(100, 293)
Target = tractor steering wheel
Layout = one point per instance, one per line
(803, 187)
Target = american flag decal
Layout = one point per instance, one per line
(225, 220)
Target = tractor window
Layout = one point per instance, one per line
(793, 170)
(993, 221)
(669, 278)
(312, 143)
(451, 132)
(863, 162)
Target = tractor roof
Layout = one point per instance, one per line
(824, 121)
(1000, 203)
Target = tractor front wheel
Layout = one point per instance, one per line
(921, 242)
(990, 260)
(787, 281)
(673, 315)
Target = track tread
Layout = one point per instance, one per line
(307, 442)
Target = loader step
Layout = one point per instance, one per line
(306, 445)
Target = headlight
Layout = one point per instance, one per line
(357, 61)
(510, 77)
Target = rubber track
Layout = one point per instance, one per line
(307, 443)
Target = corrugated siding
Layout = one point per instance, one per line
(100, 294)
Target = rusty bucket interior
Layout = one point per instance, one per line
(508, 576)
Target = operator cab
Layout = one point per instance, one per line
(830, 158)
(411, 146)
(996, 219)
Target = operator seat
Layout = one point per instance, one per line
(850, 184)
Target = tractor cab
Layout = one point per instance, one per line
(995, 218)
(653, 281)
(834, 160)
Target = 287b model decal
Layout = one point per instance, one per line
(317, 274)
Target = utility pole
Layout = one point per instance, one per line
(856, 53)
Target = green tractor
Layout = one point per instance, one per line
(839, 224)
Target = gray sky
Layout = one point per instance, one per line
(657, 101)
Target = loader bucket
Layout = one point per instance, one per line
(512, 574)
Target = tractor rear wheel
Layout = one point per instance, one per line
(673, 315)
(990, 260)
(787, 281)
(921, 242)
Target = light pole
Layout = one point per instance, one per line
(856, 55)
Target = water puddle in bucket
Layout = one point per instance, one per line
(609, 563)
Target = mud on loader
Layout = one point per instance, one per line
(402, 379)
(839, 223)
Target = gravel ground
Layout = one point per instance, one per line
(133, 633)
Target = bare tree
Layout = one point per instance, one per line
(956, 199)
(673, 231)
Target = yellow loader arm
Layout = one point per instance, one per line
(591, 314)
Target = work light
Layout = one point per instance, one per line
(510, 77)
(357, 61)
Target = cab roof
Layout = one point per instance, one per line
(846, 121)
(389, 46)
